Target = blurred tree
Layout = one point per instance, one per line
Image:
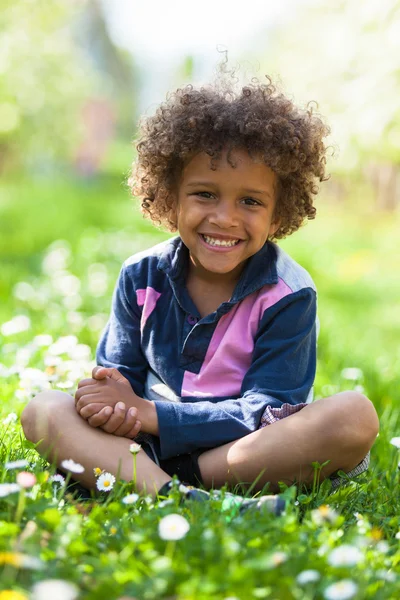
(59, 72)
(43, 80)
(346, 55)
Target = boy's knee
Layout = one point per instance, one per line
(360, 418)
(42, 412)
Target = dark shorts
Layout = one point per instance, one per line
(184, 466)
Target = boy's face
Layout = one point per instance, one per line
(225, 216)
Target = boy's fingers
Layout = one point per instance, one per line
(134, 431)
(84, 382)
(95, 407)
(100, 418)
(129, 422)
(116, 419)
(84, 391)
(87, 399)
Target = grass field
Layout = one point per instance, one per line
(61, 246)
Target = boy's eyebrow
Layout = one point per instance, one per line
(211, 183)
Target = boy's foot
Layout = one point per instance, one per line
(274, 504)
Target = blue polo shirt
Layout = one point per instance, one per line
(212, 379)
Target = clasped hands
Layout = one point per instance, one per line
(108, 401)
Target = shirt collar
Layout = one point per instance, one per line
(260, 268)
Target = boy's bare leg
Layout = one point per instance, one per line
(52, 416)
(341, 428)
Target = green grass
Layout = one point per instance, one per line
(60, 236)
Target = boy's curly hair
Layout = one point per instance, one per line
(213, 118)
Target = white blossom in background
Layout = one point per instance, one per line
(97, 279)
(43, 340)
(352, 374)
(57, 258)
(9, 488)
(345, 556)
(342, 590)
(16, 464)
(66, 284)
(72, 466)
(395, 442)
(57, 478)
(23, 291)
(10, 418)
(54, 589)
(308, 576)
(64, 345)
(130, 499)
(173, 527)
(16, 325)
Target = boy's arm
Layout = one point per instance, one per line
(119, 346)
(282, 371)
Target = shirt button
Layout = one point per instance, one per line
(192, 320)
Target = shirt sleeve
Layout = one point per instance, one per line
(282, 371)
(120, 343)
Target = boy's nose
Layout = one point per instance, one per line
(225, 215)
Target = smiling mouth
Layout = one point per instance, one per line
(218, 242)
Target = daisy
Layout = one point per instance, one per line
(173, 527)
(134, 448)
(54, 588)
(57, 478)
(72, 466)
(342, 590)
(345, 556)
(97, 471)
(105, 482)
(26, 479)
(130, 499)
(16, 464)
(324, 513)
(352, 373)
(10, 418)
(308, 576)
(8, 488)
(395, 441)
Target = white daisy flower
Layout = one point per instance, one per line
(345, 556)
(308, 576)
(57, 478)
(134, 448)
(165, 503)
(16, 464)
(342, 590)
(43, 340)
(324, 513)
(277, 558)
(395, 441)
(130, 499)
(16, 325)
(10, 418)
(54, 588)
(8, 488)
(105, 482)
(352, 373)
(173, 527)
(386, 575)
(72, 466)
(382, 546)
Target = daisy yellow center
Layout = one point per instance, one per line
(106, 483)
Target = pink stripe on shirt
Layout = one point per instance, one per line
(148, 299)
(229, 353)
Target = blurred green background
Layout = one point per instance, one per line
(72, 89)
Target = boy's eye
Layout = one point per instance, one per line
(251, 202)
(203, 194)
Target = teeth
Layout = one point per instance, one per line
(216, 242)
